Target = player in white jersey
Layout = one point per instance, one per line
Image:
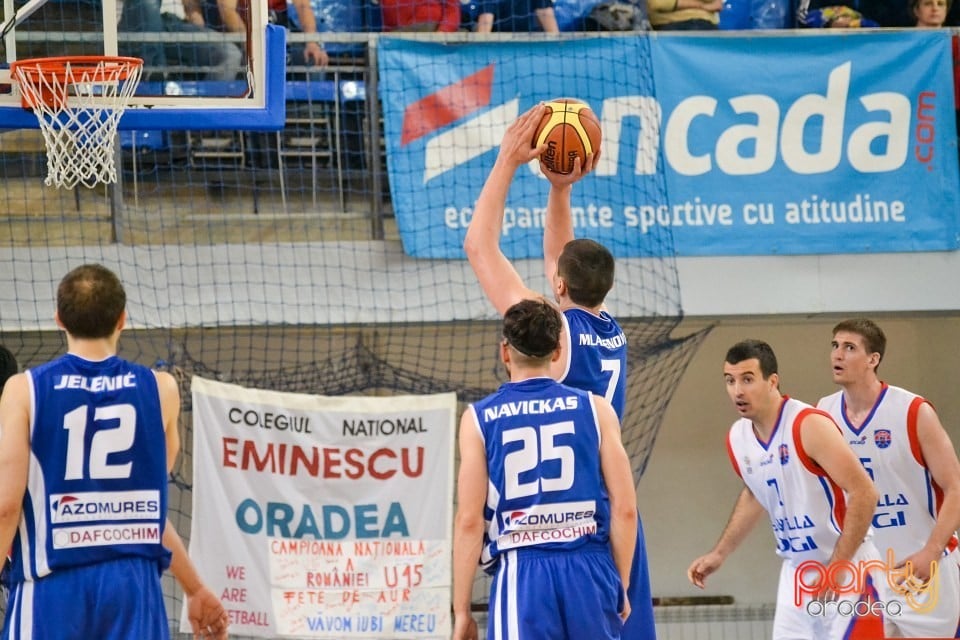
(796, 466)
(545, 489)
(902, 445)
(84, 437)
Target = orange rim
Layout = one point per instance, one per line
(57, 66)
(33, 69)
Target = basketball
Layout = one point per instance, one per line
(570, 130)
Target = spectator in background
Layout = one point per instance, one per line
(233, 16)
(929, 14)
(139, 25)
(142, 16)
(420, 15)
(684, 15)
(851, 14)
(601, 15)
(222, 60)
(516, 16)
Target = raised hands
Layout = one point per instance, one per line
(517, 148)
(560, 180)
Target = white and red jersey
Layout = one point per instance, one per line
(887, 445)
(806, 507)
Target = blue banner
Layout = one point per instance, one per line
(712, 145)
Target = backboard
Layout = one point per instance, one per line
(193, 77)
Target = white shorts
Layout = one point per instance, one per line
(934, 613)
(853, 615)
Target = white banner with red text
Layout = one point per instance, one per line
(324, 517)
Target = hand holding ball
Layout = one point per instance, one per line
(570, 130)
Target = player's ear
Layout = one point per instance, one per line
(505, 355)
(122, 320)
(774, 380)
(561, 286)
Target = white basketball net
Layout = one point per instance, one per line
(79, 107)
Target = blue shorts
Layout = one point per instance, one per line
(117, 600)
(640, 624)
(553, 595)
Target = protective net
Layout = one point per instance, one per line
(276, 261)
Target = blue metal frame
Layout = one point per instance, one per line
(269, 117)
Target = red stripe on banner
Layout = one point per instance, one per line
(447, 105)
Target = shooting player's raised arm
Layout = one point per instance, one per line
(500, 281)
(558, 225)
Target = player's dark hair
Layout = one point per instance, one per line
(587, 268)
(90, 301)
(8, 365)
(532, 327)
(874, 340)
(749, 349)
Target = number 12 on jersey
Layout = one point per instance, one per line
(104, 442)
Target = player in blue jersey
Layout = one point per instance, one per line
(545, 497)
(8, 367)
(580, 273)
(86, 444)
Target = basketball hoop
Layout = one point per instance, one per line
(79, 101)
